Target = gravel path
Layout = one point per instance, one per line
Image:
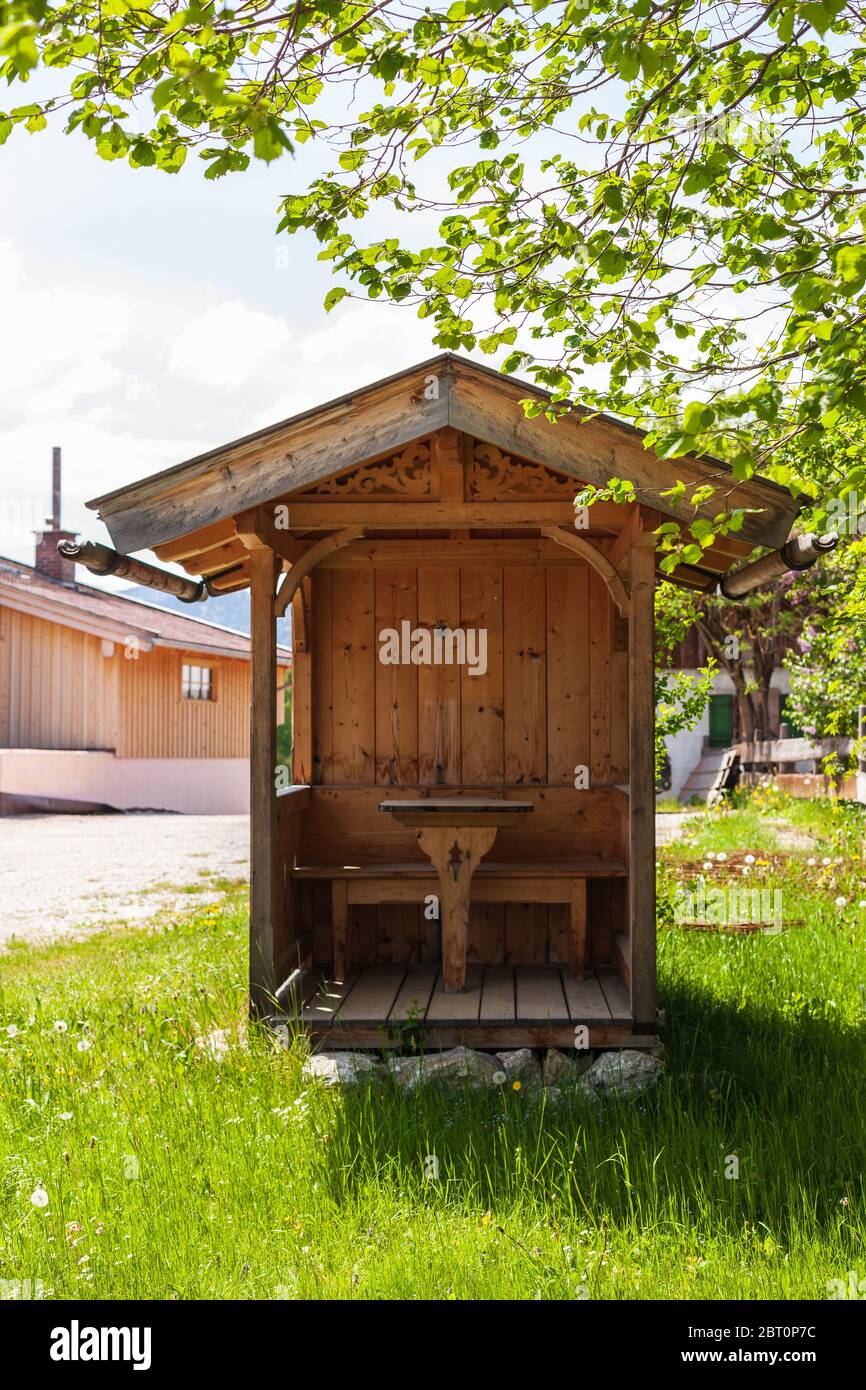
(62, 874)
(670, 825)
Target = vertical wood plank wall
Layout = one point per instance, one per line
(156, 722)
(554, 697)
(57, 689)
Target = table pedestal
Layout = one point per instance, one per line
(455, 833)
(455, 852)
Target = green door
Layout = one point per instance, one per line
(721, 720)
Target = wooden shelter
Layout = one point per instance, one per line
(467, 846)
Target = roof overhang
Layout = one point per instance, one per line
(389, 414)
(37, 603)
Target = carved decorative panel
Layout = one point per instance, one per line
(406, 475)
(495, 474)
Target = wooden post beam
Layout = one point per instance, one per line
(263, 755)
(302, 688)
(626, 538)
(642, 866)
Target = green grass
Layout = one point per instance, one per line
(173, 1174)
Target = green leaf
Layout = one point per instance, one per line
(334, 296)
(698, 417)
(812, 291)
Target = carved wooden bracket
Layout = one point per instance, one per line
(495, 474)
(308, 561)
(406, 475)
(599, 563)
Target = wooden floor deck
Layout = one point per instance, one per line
(503, 1006)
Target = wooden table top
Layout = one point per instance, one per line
(447, 805)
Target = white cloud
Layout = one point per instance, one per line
(228, 345)
(131, 374)
(58, 342)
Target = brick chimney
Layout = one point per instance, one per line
(48, 561)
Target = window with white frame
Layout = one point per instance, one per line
(196, 682)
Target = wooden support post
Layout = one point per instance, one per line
(577, 926)
(263, 756)
(302, 689)
(642, 868)
(456, 852)
(340, 928)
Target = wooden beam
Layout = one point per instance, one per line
(626, 538)
(443, 516)
(302, 691)
(308, 562)
(447, 464)
(600, 563)
(263, 756)
(472, 551)
(235, 578)
(196, 541)
(340, 944)
(577, 926)
(642, 866)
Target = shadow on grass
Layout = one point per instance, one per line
(760, 1118)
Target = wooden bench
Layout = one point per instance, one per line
(561, 881)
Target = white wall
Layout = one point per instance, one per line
(686, 748)
(195, 786)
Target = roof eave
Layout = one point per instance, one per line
(373, 421)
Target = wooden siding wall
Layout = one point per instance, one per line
(554, 696)
(156, 722)
(57, 690)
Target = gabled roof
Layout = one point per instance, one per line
(389, 414)
(113, 616)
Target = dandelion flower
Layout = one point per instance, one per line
(811, 863)
(862, 903)
(825, 860)
(84, 1045)
(65, 1115)
(499, 1077)
(721, 856)
(12, 1031)
(841, 902)
(39, 1197)
(516, 1085)
(61, 1026)
(706, 866)
(750, 858)
(710, 854)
